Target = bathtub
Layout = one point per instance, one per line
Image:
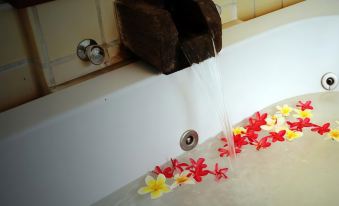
(78, 145)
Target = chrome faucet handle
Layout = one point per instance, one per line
(89, 50)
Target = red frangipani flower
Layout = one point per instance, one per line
(219, 173)
(168, 171)
(197, 168)
(321, 129)
(262, 143)
(278, 136)
(304, 106)
(176, 165)
(251, 135)
(257, 122)
(239, 141)
(300, 124)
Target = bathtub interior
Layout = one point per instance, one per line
(302, 171)
(74, 157)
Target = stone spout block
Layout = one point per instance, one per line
(169, 34)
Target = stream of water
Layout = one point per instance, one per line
(209, 74)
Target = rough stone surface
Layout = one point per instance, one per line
(169, 34)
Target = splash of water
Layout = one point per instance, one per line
(209, 75)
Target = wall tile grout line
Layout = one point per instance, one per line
(14, 65)
(43, 46)
(63, 60)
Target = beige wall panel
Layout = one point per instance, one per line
(17, 86)
(65, 23)
(245, 9)
(228, 13)
(266, 6)
(13, 45)
(108, 20)
(72, 69)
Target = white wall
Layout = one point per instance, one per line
(55, 151)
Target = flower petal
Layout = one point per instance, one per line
(161, 179)
(156, 194)
(144, 190)
(149, 180)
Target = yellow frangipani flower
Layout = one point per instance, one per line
(334, 134)
(291, 135)
(155, 187)
(303, 114)
(285, 110)
(181, 179)
(239, 130)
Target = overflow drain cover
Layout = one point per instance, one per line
(189, 140)
(329, 81)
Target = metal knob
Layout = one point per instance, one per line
(89, 50)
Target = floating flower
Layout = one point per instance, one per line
(197, 168)
(239, 141)
(334, 134)
(321, 129)
(303, 113)
(278, 136)
(182, 179)
(155, 187)
(304, 106)
(300, 124)
(291, 135)
(239, 130)
(167, 172)
(273, 121)
(257, 122)
(262, 143)
(285, 110)
(219, 173)
(251, 135)
(178, 166)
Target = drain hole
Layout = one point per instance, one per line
(189, 140)
(330, 81)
